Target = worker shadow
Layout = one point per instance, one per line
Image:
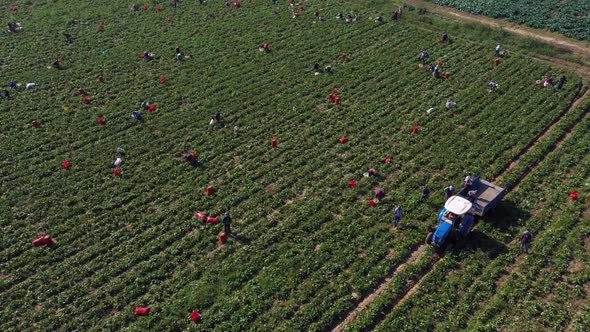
(239, 239)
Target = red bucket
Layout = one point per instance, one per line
(212, 220)
(209, 191)
(142, 311)
(195, 316)
(222, 237)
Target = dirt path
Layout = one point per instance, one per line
(554, 38)
(417, 254)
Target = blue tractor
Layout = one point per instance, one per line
(457, 218)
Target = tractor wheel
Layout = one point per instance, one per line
(429, 238)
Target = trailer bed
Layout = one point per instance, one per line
(487, 196)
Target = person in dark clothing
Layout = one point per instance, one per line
(191, 158)
(425, 193)
(226, 223)
(561, 82)
(449, 191)
(6, 93)
(69, 38)
(445, 37)
(525, 242)
(216, 118)
(394, 16)
(137, 115)
(379, 194)
(179, 53)
(11, 26)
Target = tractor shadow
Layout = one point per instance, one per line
(504, 224)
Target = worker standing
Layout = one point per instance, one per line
(398, 216)
(226, 223)
(525, 242)
(449, 191)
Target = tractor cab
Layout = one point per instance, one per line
(454, 220)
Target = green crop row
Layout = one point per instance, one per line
(306, 241)
(567, 17)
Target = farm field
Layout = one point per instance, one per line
(307, 247)
(570, 17)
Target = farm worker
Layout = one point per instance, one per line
(497, 50)
(397, 216)
(191, 158)
(548, 82)
(468, 181)
(379, 19)
(12, 84)
(423, 56)
(6, 93)
(265, 47)
(226, 223)
(136, 115)
(561, 82)
(435, 72)
(525, 242)
(425, 193)
(118, 162)
(445, 37)
(450, 104)
(11, 26)
(227, 4)
(174, 3)
(379, 194)
(145, 105)
(120, 150)
(449, 191)
(179, 53)
(30, 85)
(216, 118)
(56, 63)
(69, 38)
(147, 55)
(328, 69)
(394, 16)
(471, 195)
(492, 86)
(372, 172)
